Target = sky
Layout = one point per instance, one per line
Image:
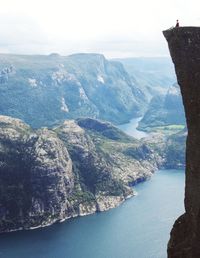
(115, 28)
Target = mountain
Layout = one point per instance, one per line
(76, 166)
(165, 111)
(74, 169)
(44, 90)
(154, 74)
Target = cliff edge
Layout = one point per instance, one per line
(184, 46)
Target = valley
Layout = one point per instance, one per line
(79, 135)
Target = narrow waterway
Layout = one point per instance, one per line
(130, 128)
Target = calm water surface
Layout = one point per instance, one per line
(139, 228)
(130, 128)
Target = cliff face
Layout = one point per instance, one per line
(46, 90)
(36, 176)
(77, 168)
(74, 169)
(184, 46)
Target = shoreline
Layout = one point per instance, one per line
(75, 215)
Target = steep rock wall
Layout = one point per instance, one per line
(184, 46)
(74, 169)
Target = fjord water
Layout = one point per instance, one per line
(139, 228)
(130, 128)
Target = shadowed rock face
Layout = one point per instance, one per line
(36, 177)
(74, 169)
(184, 46)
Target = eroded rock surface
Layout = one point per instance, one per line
(77, 168)
(184, 46)
(74, 169)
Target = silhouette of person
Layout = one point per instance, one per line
(177, 23)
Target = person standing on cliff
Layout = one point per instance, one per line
(177, 23)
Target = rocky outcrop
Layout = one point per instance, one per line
(184, 46)
(77, 168)
(35, 176)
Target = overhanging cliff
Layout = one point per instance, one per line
(184, 46)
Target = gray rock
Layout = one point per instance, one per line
(185, 52)
(74, 169)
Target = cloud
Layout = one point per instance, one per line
(122, 27)
(18, 32)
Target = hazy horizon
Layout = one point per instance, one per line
(89, 53)
(116, 29)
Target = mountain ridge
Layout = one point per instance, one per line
(76, 168)
(43, 90)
